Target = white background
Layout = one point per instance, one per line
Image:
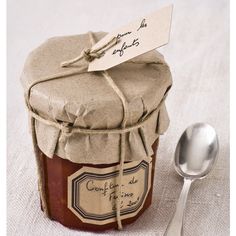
(198, 55)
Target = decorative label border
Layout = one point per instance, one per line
(91, 173)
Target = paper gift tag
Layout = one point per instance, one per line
(136, 38)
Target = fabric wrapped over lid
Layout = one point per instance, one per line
(86, 100)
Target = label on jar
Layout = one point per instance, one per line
(93, 192)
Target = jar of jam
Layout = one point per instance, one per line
(95, 134)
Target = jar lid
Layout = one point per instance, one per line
(86, 100)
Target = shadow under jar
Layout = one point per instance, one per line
(95, 162)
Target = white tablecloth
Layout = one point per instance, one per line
(198, 55)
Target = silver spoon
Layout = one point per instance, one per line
(195, 156)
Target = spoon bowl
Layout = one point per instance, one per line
(196, 151)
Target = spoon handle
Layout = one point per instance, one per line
(175, 226)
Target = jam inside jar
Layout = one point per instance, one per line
(56, 171)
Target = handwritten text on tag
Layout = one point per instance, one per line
(136, 38)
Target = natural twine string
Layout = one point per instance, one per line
(122, 136)
(90, 54)
(68, 130)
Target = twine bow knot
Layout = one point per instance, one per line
(90, 54)
(65, 128)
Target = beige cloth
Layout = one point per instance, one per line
(198, 57)
(86, 100)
